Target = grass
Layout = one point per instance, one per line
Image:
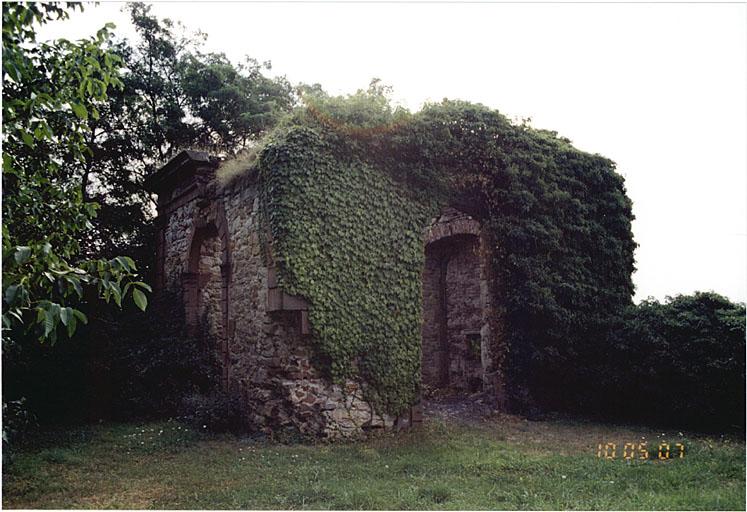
(508, 463)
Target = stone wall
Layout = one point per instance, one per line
(209, 298)
(464, 315)
(434, 359)
(210, 255)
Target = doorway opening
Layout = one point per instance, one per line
(453, 308)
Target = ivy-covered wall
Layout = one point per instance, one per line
(346, 189)
(349, 240)
(348, 186)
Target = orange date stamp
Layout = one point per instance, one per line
(640, 451)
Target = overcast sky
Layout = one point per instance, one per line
(658, 88)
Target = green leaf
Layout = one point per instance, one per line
(130, 262)
(75, 282)
(11, 292)
(48, 322)
(120, 261)
(80, 316)
(28, 139)
(79, 110)
(116, 292)
(66, 314)
(143, 285)
(71, 326)
(7, 163)
(140, 299)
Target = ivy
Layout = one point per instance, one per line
(347, 188)
(349, 241)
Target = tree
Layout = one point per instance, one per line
(51, 94)
(175, 96)
(84, 124)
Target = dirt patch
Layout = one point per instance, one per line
(458, 408)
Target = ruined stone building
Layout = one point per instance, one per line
(210, 253)
(351, 267)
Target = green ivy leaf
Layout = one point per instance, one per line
(22, 254)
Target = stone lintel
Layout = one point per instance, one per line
(278, 300)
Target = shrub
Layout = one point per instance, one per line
(123, 365)
(16, 422)
(681, 362)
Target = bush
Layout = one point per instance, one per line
(16, 422)
(681, 362)
(123, 365)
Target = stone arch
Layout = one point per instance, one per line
(206, 282)
(455, 330)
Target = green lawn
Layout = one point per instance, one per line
(507, 463)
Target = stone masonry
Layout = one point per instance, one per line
(460, 349)
(209, 254)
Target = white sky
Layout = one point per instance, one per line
(660, 89)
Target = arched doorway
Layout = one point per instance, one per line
(206, 286)
(454, 296)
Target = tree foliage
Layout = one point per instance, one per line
(84, 123)
(51, 92)
(174, 96)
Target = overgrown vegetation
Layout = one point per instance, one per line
(51, 92)
(678, 362)
(143, 368)
(507, 464)
(349, 183)
(559, 219)
(175, 96)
